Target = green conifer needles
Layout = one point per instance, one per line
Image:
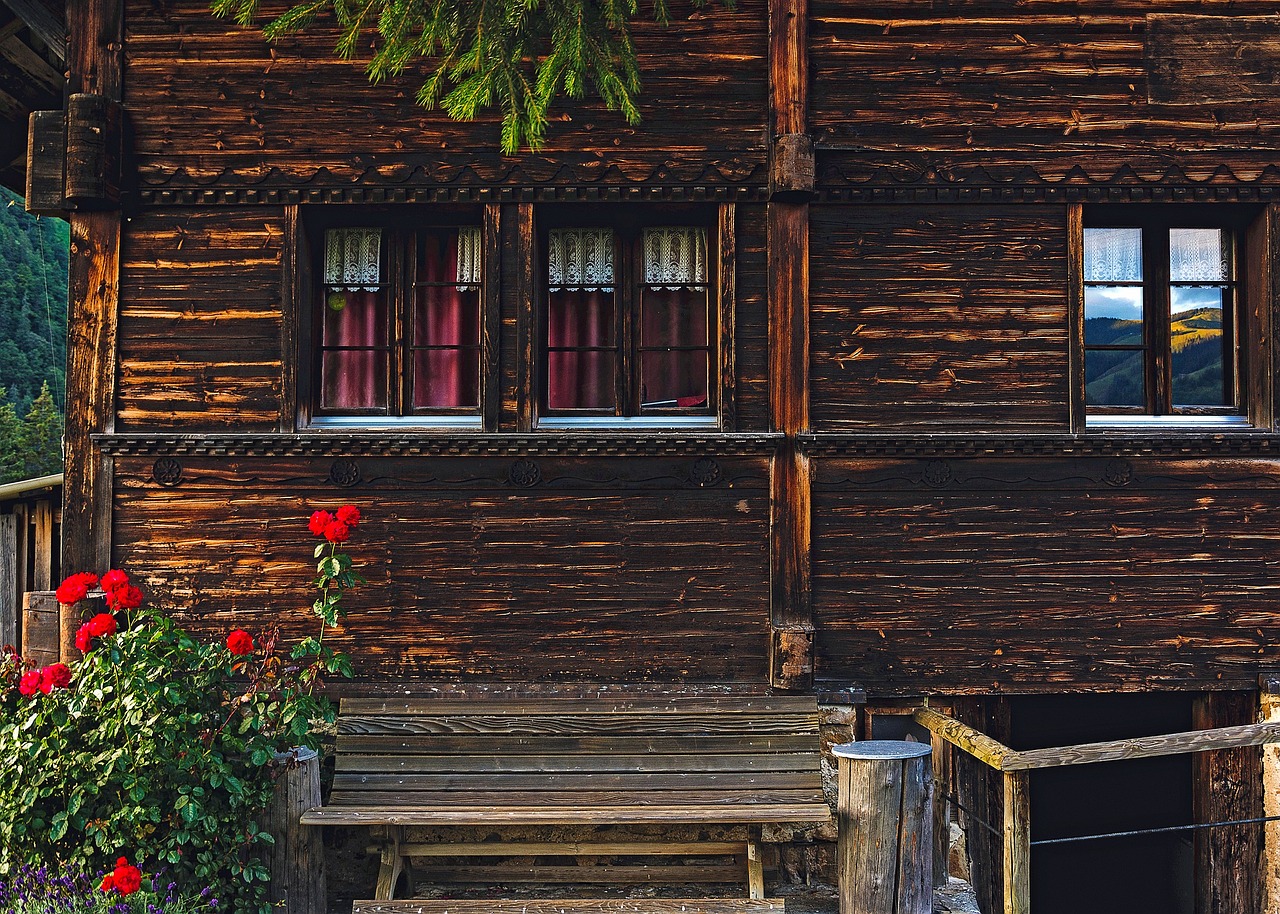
(516, 55)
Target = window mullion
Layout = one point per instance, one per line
(1156, 327)
(626, 291)
(402, 259)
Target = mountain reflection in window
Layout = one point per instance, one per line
(1136, 328)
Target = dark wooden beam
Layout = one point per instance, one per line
(47, 25)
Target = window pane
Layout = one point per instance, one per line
(1113, 378)
(355, 319)
(673, 317)
(1113, 316)
(576, 317)
(353, 379)
(1195, 327)
(1199, 255)
(673, 380)
(446, 316)
(444, 378)
(580, 380)
(1113, 255)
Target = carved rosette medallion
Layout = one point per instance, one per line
(705, 472)
(344, 473)
(167, 471)
(524, 473)
(937, 473)
(1118, 473)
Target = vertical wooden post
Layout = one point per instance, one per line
(1017, 843)
(297, 857)
(942, 761)
(40, 628)
(1269, 870)
(8, 580)
(94, 57)
(526, 318)
(884, 805)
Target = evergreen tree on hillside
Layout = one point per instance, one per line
(41, 438)
(10, 442)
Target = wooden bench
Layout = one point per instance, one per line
(605, 761)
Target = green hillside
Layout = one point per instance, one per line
(33, 339)
(1115, 378)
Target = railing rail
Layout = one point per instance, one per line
(1015, 768)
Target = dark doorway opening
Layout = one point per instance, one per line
(1153, 872)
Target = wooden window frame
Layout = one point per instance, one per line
(628, 223)
(400, 225)
(1249, 320)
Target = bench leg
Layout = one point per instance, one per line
(391, 868)
(755, 866)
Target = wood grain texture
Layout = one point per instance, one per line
(573, 906)
(9, 580)
(924, 317)
(1042, 575)
(214, 104)
(609, 570)
(201, 321)
(296, 861)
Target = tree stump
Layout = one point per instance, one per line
(297, 858)
(885, 812)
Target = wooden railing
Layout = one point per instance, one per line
(1015, 767)
(30, 523)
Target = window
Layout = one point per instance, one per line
(397, 325)
(1163, 335)
(628, 329)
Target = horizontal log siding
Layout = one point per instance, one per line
(921, 91)
(609, 569)
(215, 102)
(979, 575)
(928, 316)
(200, 320)
(752, 328)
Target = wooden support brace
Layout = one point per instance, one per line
(391, 867)
(1017, 843)
(755, 865)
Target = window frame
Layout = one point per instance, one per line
(628, 223)
(402, 226)
(1249, 352)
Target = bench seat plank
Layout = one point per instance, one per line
(600, 798)
(573, 906)
(648, 705)
(579, 724)
(718, 814)
(392, 741)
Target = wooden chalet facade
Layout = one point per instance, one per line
(883, 472)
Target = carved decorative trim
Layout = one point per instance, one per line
(351, 445)
(1175, 444)
(1119, 473)
(167, 471)
(524, 473)
(937, 473)
(344, 473)
(241, 196)
(705, 472)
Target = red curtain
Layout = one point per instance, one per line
(580, 377)
(354, 378)
(675, 318)
(446, 315)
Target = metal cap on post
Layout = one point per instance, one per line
(885, 813)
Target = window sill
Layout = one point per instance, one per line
(602, 423)
(1213, 423)
(397, 423)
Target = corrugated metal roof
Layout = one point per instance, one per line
(23, 486)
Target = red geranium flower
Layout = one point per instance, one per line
(320, 520)
(125, 878)
(349, 515)
(337, 532)
(55, 676)
(29, 684)
(114, 580)
(127, 597)
(75, 588)
(102, 624)
(84, 639)
(239, 642)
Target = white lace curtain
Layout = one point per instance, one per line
(580, 259)
(675, 258)
(1198, 255)
(469, 257)
(353, 259)
(1113, 255)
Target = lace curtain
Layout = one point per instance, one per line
(1198, 255)
(469, 256)
(675, 258)
(353, 259)
(1113, 255)
(580, 259)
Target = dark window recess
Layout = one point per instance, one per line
(1162, 330)
(399, 323)
(628, 326)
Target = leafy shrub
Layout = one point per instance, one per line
(157, 745)
(39, 891)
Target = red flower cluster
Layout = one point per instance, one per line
(75, 588)
(99, 626)
(125, 878)
(120, 595)
(45, 679)
(335, 527)
(240, 642)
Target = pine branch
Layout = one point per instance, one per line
(516, 55)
